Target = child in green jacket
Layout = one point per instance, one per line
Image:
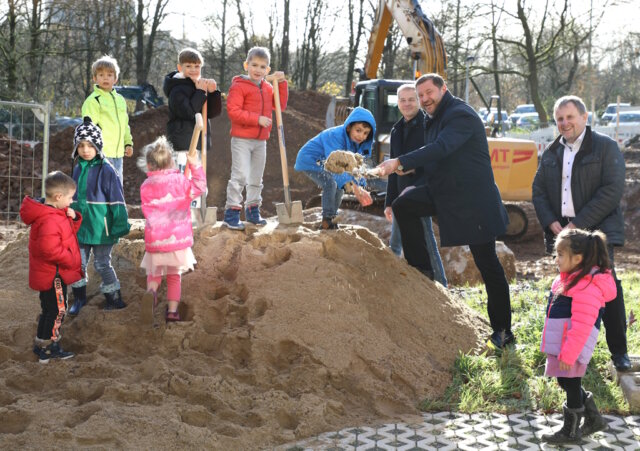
(108, 110)
(100, 200)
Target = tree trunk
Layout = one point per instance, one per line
(284, 50)
(243, 28)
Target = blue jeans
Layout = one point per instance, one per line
(331, 194)
(117, 165)
(102, 265)
(395, 243)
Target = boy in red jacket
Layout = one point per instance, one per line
(54, 258)
(249, 106)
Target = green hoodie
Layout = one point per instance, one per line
(100, 200)
(108, 110)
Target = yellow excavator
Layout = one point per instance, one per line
(514, 161)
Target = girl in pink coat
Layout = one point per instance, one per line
(166, 198)
(570, 333)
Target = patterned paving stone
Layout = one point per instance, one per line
(481, 431)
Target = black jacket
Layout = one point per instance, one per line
(597, 185)
(467, 200)
(184, 102)
(405, 137)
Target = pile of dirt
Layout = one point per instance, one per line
(289, 333)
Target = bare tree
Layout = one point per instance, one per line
(354, 41)
(538, 49)
(243, 27)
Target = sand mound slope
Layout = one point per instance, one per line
(290, 332)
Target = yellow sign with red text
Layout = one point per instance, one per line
(514, 163)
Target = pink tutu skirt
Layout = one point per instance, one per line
(163, 263)
(553, 368)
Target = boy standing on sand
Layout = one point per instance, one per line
(250, 105)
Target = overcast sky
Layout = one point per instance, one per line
(620, 17)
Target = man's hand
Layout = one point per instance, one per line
(571, 225)
(71, 213)
(555, 227)
(128, 151)
(387, 213)
(388, 167)
(264, 121)
(564, 366)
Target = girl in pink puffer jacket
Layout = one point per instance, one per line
(570, 333)
(166, 198)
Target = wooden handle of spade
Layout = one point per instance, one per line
(193, 146)
(283, 149)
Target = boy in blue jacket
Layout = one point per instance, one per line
(355, 135)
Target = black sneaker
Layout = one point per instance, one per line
(500, 338)
(621, 362)
(54, 351)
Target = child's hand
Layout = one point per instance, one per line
(71, 213)
(128, 151)
(387, 213)
(362, 195)
(278, 75)
(564, 366)
(264, 121)
(193, 159)
(211, 85)
(201, 83)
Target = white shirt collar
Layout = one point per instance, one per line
(577, 143)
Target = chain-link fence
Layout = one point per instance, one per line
(24, 153)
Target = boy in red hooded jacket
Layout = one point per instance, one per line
(54, 258)
(249, 106)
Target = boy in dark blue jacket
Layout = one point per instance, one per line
(355, 135)
(187, 91)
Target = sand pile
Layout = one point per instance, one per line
(290, 333)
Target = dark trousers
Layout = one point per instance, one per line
(49, 323)
(408, 210)
(615, 317)
(576, 395)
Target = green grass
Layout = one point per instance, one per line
(513, 380)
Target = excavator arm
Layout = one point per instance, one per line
(425, 43)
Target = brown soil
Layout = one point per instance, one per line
(287, 335)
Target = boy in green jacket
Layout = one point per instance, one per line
(108, 110)
(100, 200)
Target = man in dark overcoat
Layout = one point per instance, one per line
(579, 183)
(462, 194)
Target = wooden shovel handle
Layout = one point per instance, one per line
(193, 145)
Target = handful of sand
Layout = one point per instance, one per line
(340, 161)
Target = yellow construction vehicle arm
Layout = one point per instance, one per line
(425, 43)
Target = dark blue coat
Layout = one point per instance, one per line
(184, 102)
(597, 185)
(468, 204)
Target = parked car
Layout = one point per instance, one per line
(491, 119)
(610, 112)
(528, 120)
(520, 110)
(629, 118)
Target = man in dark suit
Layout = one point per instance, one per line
(461, 192)
(579, 183)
